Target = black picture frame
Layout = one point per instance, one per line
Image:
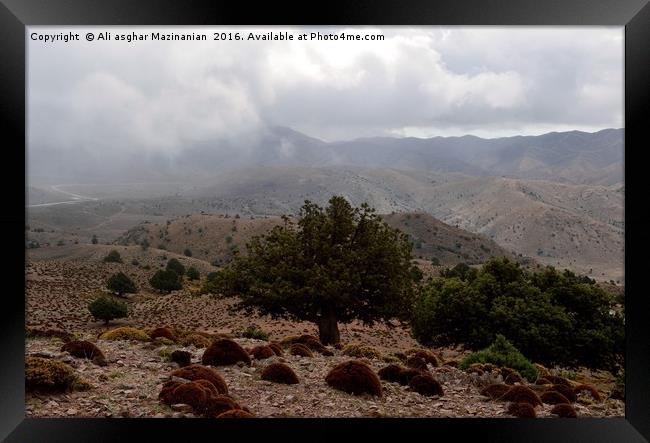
(15, 15)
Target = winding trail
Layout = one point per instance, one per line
(76, 198)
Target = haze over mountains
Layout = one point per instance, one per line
(557, 197)
(569, 157)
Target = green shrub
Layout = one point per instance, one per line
(121, 283)
(176, 266)
(193, 273)
(503, 354)
(187, 253)
(253, 332)
(107, 309)
(166, 281)
(113, 257)
(556, 318)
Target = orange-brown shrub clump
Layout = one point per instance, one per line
(564, 390)
(543, 381)
(276, 348)
(564, 410)
(314, 344)
(416, 362)
(261, 352)
(408, 373)
(196, 339)
(279, 373)
(85, 349)
(300, 350)
(588, 388)
(163, 332)
(208, 385)
(57, 333)
(183, 358)
(166, 394)
(193, 394)
(513, 378)
(521, 410)
(426, 385)
(355, 378)
(48, 375)
(522, 394)
(225, 352)
(557, 380)
(553, 398)
(495, 391)
(451, 363)
(219, 404)
(198, 372)
(236, 413)
(428, 357)
(391, 373)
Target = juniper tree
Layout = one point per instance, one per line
(121, 283)
(336, 264)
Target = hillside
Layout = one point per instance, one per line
(214, 237)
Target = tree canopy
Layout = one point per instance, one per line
(121, 283)
(166, 281)
(335, 264)
(107, 309)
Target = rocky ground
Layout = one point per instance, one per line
(58, 293)
(129, 385)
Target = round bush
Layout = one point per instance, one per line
(503, 354)
(279, 373)
(163, 332)
(358, 350)
(416, 362)
(521, 410)
(262, 352)
(236, 413)
(428, 356)
(193, 394)
(300, 350)
(46, 375)
(85, 349)
(107, 309)
(564, 390)
(522, 394)
(166, 394)
(426, 385)
(391, 373)
(121, 283)
(355, 378)
(564, 410)
(198, 372)
(276, 348)
(588, 388)
(553, 398)
(225, 352)
(557, 380)
(166, 281)
(183, 358)
(495, 391)
(196, 340)
(208, 385)
(219, 404)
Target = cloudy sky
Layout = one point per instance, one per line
(161, 96)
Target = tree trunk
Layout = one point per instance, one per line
(328, 329)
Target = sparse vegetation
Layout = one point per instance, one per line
(113, 257)
(256, 333)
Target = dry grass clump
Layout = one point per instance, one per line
(300, 350)
(564, 390)
(425, 384)
(553, 398)
(355, 378)
(198, 372)
(359, 350)
(261, 352)
(46, 375)
(564, 410)
(225, 352)
(195, 339)
(542, 371)
(85, 349)
(183, 358)
(279, 373)
(163, 332)
(521, 410)
(495, 391)
(590, 389)
(125, 333)
(522, 394)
